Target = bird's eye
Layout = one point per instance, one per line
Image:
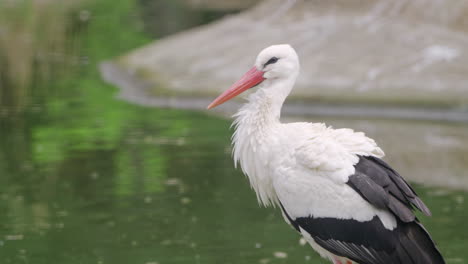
(270, 61)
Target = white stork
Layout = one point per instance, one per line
(330, 184)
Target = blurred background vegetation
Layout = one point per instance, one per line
(42, 41)
(88, 178)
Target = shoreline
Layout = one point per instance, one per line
(138, 92)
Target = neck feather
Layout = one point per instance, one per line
(255, 124)
(264, 106)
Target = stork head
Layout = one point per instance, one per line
(277, 61)
(274, 63)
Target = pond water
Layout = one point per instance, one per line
(86, 178)
(109, 182)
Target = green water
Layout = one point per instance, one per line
(86, 178)
(108, 182)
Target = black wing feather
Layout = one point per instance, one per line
(384, 188)
(370, 242)
(403, 186)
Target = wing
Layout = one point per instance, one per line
(384, 188)
(369, 242)
(335, 151)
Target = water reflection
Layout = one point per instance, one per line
(118, 183)
(160, 189)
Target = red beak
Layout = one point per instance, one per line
(249, 80)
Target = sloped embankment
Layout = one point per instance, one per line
(398, 52)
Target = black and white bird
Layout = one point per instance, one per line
(330, 184)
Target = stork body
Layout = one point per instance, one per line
(330, 184)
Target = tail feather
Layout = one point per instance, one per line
(417, 244)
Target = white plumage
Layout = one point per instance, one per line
(305, 168)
